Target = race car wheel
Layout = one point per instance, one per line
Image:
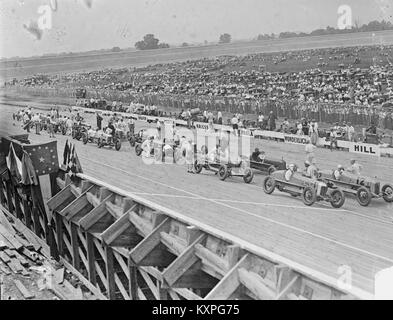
(269, 184)
(309, 196)
(337, 198)
(132, 142)
(197, 167)
(100, 143)
(270, 170)
(387, 191)
(85, 138)
(73, 134)
(223, 172)
(248, 175)
(363, 196)
(138, 150)
(117, 145)
(64, 131)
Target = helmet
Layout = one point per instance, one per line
(340, 167)
(291, 167)
(306, 163)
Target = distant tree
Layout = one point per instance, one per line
(150, 42)
(116, 49)
(225, 38)
(184, 44)
(205, 42)
(163, 45)
(264, 37)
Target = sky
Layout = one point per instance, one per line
(83, 25)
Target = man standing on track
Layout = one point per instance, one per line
(99, 120)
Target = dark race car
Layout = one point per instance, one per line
(267, 165)
(309, 189)
(364, 188)
(224, 169)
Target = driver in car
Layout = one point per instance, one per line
(258, 156)
(338, 172)
(289, 173)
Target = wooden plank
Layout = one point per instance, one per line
(16, 265)
(141, 224)
(4, 270)
(23, 290)
(10, 253)
(288, 287)
(95, 214)
(182, 263)
(4, 257)
(75, 246)
(90, 259)
(98, 294)
(22, 260)
(185, 293)
(15, 243)
(150, 284)
(59, 198)
(116, 229)
(206, 254)
(6, 224)
(121, 287)
(171, 242)
(149, 243)
(255, 284)
(132, 280)
(110, 273)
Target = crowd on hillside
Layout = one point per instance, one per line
(242, 84)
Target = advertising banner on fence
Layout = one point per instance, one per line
(293, 138)
(363, 148)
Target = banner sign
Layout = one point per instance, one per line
(363, 148)
(293, 138)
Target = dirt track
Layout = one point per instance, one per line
(319, 237)
(87, 62)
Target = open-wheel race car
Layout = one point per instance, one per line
(78, 130)
(268, 165)
(310, 190)
(108, 140)
(223, 169)
(364, 188)
(91, 136)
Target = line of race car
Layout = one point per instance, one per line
(325, 186)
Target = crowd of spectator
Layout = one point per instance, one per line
(342, 81)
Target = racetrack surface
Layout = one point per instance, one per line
(87, 62)
(318, 237)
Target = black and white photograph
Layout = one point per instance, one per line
(207, 150)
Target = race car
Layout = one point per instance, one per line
(138, 137)
(78, 129)
(108, 140)
(91, 136)
(224, 169)
(309, 189)
(364, 188)
(268, 165)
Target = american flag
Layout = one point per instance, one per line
(43, 157)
